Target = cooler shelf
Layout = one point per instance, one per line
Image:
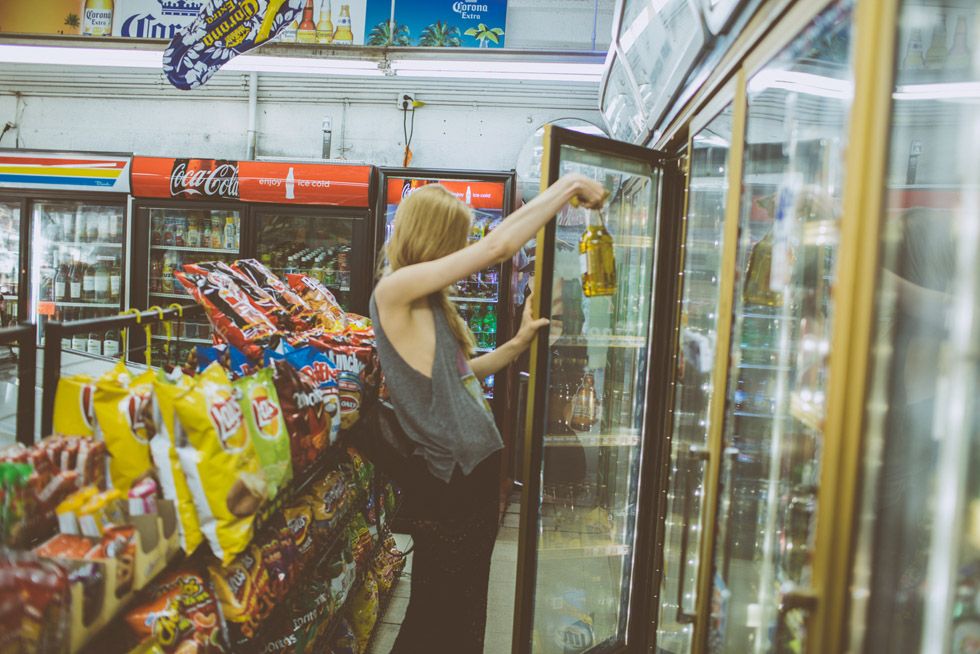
(184, 248)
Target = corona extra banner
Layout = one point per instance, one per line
(437, 23)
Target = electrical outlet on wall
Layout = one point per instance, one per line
(407, 101)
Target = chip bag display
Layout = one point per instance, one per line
(180, 614)
(163, 449)
(229, 310)
(267, 427)
(223, 471)
(74, 411)
(258, 296)
(354, 366)
(305, 412)
(242, 589)
(331, 316)
(123, 407)
(318, 366)
(303, 316)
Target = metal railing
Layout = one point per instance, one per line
(55, 331)
(24, 337)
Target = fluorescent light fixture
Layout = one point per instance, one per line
(117, 58)
(254, 63)
(516, 70)
(808, 83)
(945, 91)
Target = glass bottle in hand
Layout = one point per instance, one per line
(598, 259)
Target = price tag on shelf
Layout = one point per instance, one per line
(45, 309)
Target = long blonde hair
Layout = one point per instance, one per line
(430, 224)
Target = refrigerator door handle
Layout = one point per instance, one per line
(693, 454)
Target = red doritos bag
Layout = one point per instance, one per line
(260, 299)
(331, 315)
(303, 315)
(306, 414)
(229, 310)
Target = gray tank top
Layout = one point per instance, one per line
(447, 416)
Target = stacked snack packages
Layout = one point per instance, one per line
(34, 605)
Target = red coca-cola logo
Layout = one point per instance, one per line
(206, 178)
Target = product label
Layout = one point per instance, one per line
(59, 290)
(93, 346)
(111, 348)
(227, 418)
(101, 284)
(76, 289)
(115, 284)
(78, 343)
(88, 284)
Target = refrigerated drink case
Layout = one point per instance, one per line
(77, 253)
(10, 221)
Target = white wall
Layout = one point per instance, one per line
(463, 125)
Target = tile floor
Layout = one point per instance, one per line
(500, 604)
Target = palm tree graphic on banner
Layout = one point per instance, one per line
(383, 34)
(440, 35)
(482, 33)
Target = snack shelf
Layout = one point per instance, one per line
(480, 300)
(157, 543)
(85, 244)
(185, 248)
(383, 603)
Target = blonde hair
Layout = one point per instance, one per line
(432, 223)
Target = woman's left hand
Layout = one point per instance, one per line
(529, 325)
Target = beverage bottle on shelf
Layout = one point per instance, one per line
(105, 231)
(61, 283)
(490, 322)
(758, 289)
(156, 272)
(205, 232)
(464, 312)
(959, 57)
(65, 316)
(115, 226)
(115, 280)
(110, 347)
(79, 234)
(92, 227)
(168, 231)
(97, 17)
(598, 261)
(231, 236)
(94, 344)
(193, 239)
(914, 57)
(88, 283)
(936, 54)
(167, 275)
(79, 342)
(477, 229)
(180, 230)
(307, 28)
(156, 228)
(75, 283)
(68, 226)
(344, 34)
(101, 280)
(476, 320)
(324, 26)
(47, 284)
(217, 230)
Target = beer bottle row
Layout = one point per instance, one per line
(83, 225)
(96, 343)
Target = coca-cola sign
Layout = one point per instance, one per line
(204, 178)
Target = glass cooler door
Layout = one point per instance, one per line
(917, 568)
(178, 236)
(587, 426)
(318, 245)
(693, 389)
(77, 267)
(9, 262)
(793, 176)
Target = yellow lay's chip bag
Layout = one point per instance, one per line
(267, 427)
(222, 468)
(163, 447)
(123, 408)
(74, 411)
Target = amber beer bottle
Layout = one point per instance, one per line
(598, 259)
(344, 34)
(97, 17)
(307, 28)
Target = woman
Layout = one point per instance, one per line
(425, 349)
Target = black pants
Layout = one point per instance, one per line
(454, 527)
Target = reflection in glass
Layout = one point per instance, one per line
(693, 383)
(9, 262)
(594, 416)
(918, 561)
(793, 177)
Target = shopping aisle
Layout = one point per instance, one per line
(500, 603)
